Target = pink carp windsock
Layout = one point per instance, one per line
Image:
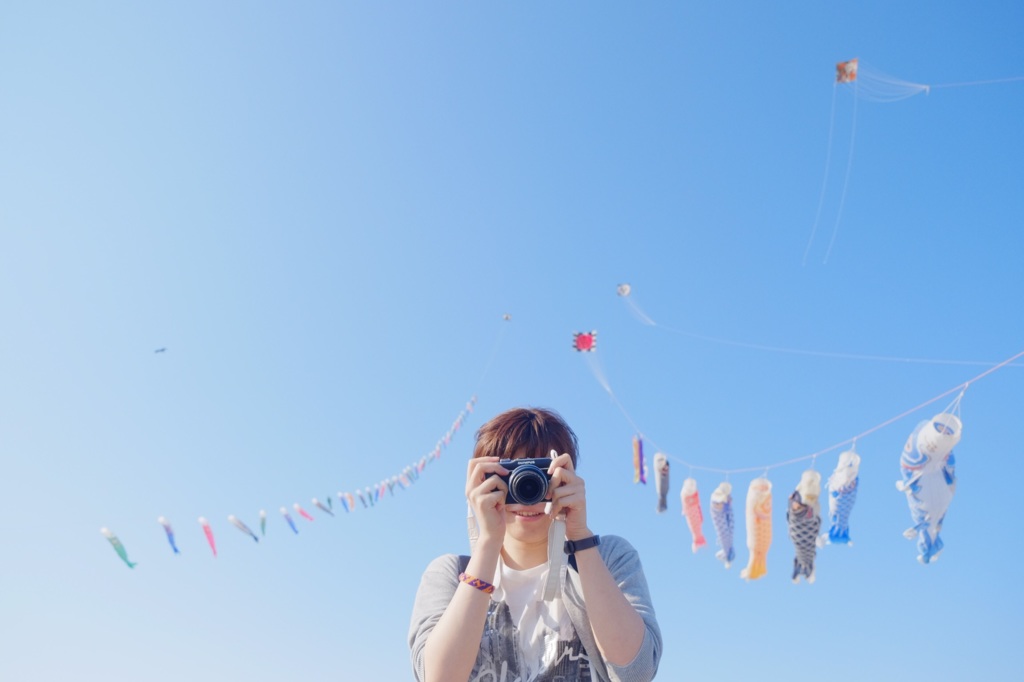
(724, 522)
(288, 518)
(804, 520)
(170, 533)
(322, 507)
(842, 493)
(759, 528)
(237, 523)
(118, 547)
(639, 472)
(302, 512)
(263, 522)
(929, 480)
(661, 480)
(692, 512)
(209, 535)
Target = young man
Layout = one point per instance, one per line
(483, 618)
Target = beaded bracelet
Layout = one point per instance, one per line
(481, 585)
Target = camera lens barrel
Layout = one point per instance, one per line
(527, 485)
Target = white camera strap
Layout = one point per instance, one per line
(556, 556)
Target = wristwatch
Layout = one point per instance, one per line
(573, 546)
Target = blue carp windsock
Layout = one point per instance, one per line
(263, 522)
(209, 535)
(170, 533)
(661, 480)
(804, 520)
(842, 493)
(237, 523)
(759, 528)
(118, 547)
(288, 518)
(724, 522)
(691, 510)
(929, 480)
(322, 507)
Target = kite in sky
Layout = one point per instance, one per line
(759, 528)
(118, 547)
(692, 512)
(585, 342)
(846, 72)
(724, 521)
(842, 493)
(929, 480)
(170, 533)
(209, 535)
(804, 520)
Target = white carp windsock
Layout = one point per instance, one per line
(842, 493)
(929, 480)
(237, 523)
(803, 516)
(661, 480)
(724, 521)
(692, 512)
(759, 528)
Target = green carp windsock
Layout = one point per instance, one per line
(263, 521)
(118, 547)
(237, 523)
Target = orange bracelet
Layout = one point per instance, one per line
(481, 585)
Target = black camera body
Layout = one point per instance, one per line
(528, 480)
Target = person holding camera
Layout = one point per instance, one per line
(513, 610)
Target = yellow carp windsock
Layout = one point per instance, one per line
(692, 512)
(759, 528)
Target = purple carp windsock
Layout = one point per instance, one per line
(724, 522)
(691, 510)
(661, 480)
(803, 517)
(288, 518)
(263, 522)
(237, 523)
(759, 528)
(118, 547)
(302, 512)
(639, 471)
(169, 531)
(209, 535)
(322, 507)
(929, 480)
(842, 493)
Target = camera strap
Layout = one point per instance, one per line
(556, 557)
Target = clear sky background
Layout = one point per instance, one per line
(323, 210)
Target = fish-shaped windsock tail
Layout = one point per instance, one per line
(724, 522)
(692, 511)
(759, 527)
(661, 482)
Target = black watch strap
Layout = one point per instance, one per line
(571, 547)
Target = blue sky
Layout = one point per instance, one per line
(322, 213)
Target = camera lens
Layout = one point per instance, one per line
(527, 485)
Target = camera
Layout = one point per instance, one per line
(527, 480)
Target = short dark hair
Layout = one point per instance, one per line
(525, 432)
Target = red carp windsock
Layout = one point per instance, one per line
(209, 535)
(691, 510)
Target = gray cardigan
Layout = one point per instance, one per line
(441, 579)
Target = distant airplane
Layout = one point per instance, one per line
(160, 350)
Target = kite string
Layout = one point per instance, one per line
(962, 387)
(846, 179)
(824, 179)
(966, 84)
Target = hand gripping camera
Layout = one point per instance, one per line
(527, 480)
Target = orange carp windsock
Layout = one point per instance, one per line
(692, 512)
(661, 480)
(759, 528)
